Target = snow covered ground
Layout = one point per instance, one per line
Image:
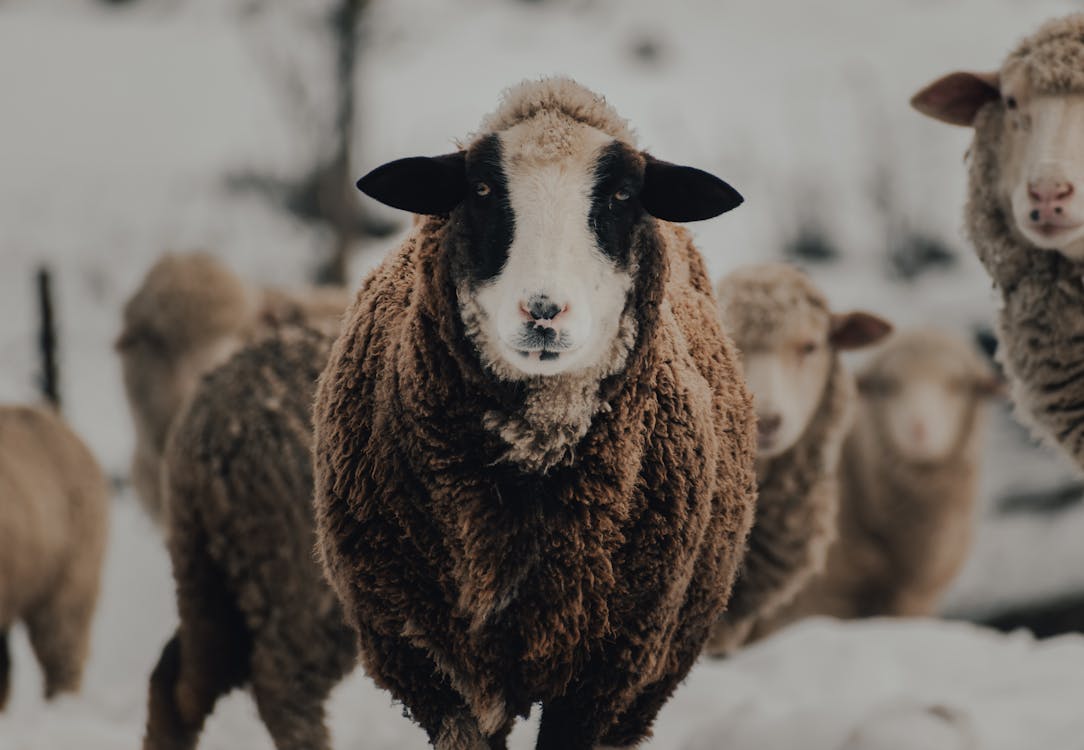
(118, 128)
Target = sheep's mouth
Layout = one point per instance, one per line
(542, 355)
(1050, 230)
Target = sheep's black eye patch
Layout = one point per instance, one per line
(615, 207)
(487, 211)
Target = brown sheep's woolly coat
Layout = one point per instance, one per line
(54, 512)
(798, 491)
(254, 607)
(188, 315)
(1041, 321)
(478, 586)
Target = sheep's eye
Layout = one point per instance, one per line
(1010, 102)
(622, 195)
(482, 189)
(807, 348)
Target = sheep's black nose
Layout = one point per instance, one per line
(542, 308)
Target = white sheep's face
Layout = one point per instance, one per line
(923, 395)
(1041, 152)
(789, 373)
(787, 381)
(1042, 166)
(549, 208)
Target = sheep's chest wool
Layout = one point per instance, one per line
(489, 564)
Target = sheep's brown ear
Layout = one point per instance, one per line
(855, 330)
(676, 193)
(991, 386)
(420, 184)
(957, 97)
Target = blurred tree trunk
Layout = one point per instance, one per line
(49, 379)
(336, 192)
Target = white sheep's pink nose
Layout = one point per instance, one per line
(1049, 196)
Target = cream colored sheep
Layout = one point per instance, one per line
(789, 340)
(189, 314)
(54, 509)
(1025, 215)
(908, 481)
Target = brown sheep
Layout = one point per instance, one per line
(254, 607)
(790, 341)
(188, 315)
(54, 512)
(534, 448)
(908, 481)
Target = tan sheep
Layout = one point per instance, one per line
(789, 340)
(1025, 216)
(54, 509)
(908, 480)
(188, 315)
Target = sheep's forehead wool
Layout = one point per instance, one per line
(1053, 57)
(188, 299)
(764, 305)
(927, 353)
(558, 101)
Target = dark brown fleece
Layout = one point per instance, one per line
(253, 604)
(478, 588)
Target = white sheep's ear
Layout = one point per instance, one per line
(855, 330)
(958, 97)
(420, 184)
(675, 193)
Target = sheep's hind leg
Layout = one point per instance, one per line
(290, 692)
(59, 633)
(5, 669)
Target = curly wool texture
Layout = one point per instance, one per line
(798, 491)
(479, 585)
(54, 510)
(904, 527)
(254, 606)
(1041, 321)
(188, 315)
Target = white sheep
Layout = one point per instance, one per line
(188, 315)
(534, 449)
(907, 481)
(789, 341)
(1025, 215)
(54, 511)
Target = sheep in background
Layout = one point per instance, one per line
(188, 315)
(1025, 215)
(789, 342)
(908, 481)
(54, 510)
(534, 448)
(254, 607)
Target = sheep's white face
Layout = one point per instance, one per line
(558, 288)
(544, 213)
(923, 415)
(1042, 166)
(923, 393)
(787, 381)
(1040, 153)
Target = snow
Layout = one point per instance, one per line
(117, 129)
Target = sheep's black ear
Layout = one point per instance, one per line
(675, 193)
(856, 330)
(957, 97)
(420, 184)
